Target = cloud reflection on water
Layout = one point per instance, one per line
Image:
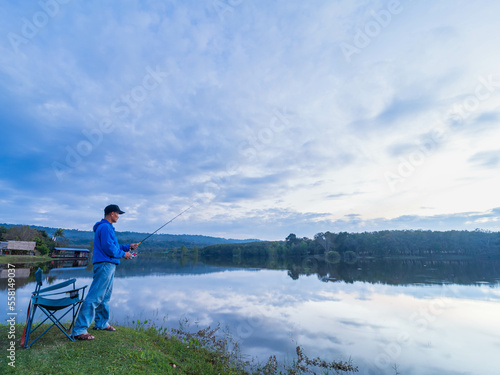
(375, 324)
(425, 329)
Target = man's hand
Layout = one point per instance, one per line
(127, 255)
(134, 246)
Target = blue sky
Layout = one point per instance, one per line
(270, 117)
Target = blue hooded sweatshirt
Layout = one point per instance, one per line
(106, 246)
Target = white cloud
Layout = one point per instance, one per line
(256, 110)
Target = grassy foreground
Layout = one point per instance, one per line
(144, 350)
(126, 351)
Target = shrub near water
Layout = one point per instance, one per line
(333, 257)
(350, 257)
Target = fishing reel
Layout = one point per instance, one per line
(132, 255)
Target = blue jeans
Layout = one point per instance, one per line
(97, 300)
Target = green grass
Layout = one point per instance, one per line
(5, 259)
(147, 350)
(126, 351)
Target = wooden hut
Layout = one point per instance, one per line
(18, 247)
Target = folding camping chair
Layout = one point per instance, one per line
(49, 303)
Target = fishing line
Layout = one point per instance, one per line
(134, 254)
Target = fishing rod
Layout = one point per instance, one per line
(134, 254)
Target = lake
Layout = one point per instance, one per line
(426, 317)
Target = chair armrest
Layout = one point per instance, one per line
(57, 286)
(63, 292)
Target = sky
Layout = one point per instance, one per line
(265, 117)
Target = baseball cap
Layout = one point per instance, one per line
(112, 208)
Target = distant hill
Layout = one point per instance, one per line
(82, 238)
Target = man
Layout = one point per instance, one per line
(107, 254)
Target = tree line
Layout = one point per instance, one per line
(380, 244)
(333, 247)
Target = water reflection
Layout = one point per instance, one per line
(394, 272)
(433, 321)
(25, 272)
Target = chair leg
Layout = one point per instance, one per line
(75, 315)
(29, 323)
(55, 322)
(50, 314)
